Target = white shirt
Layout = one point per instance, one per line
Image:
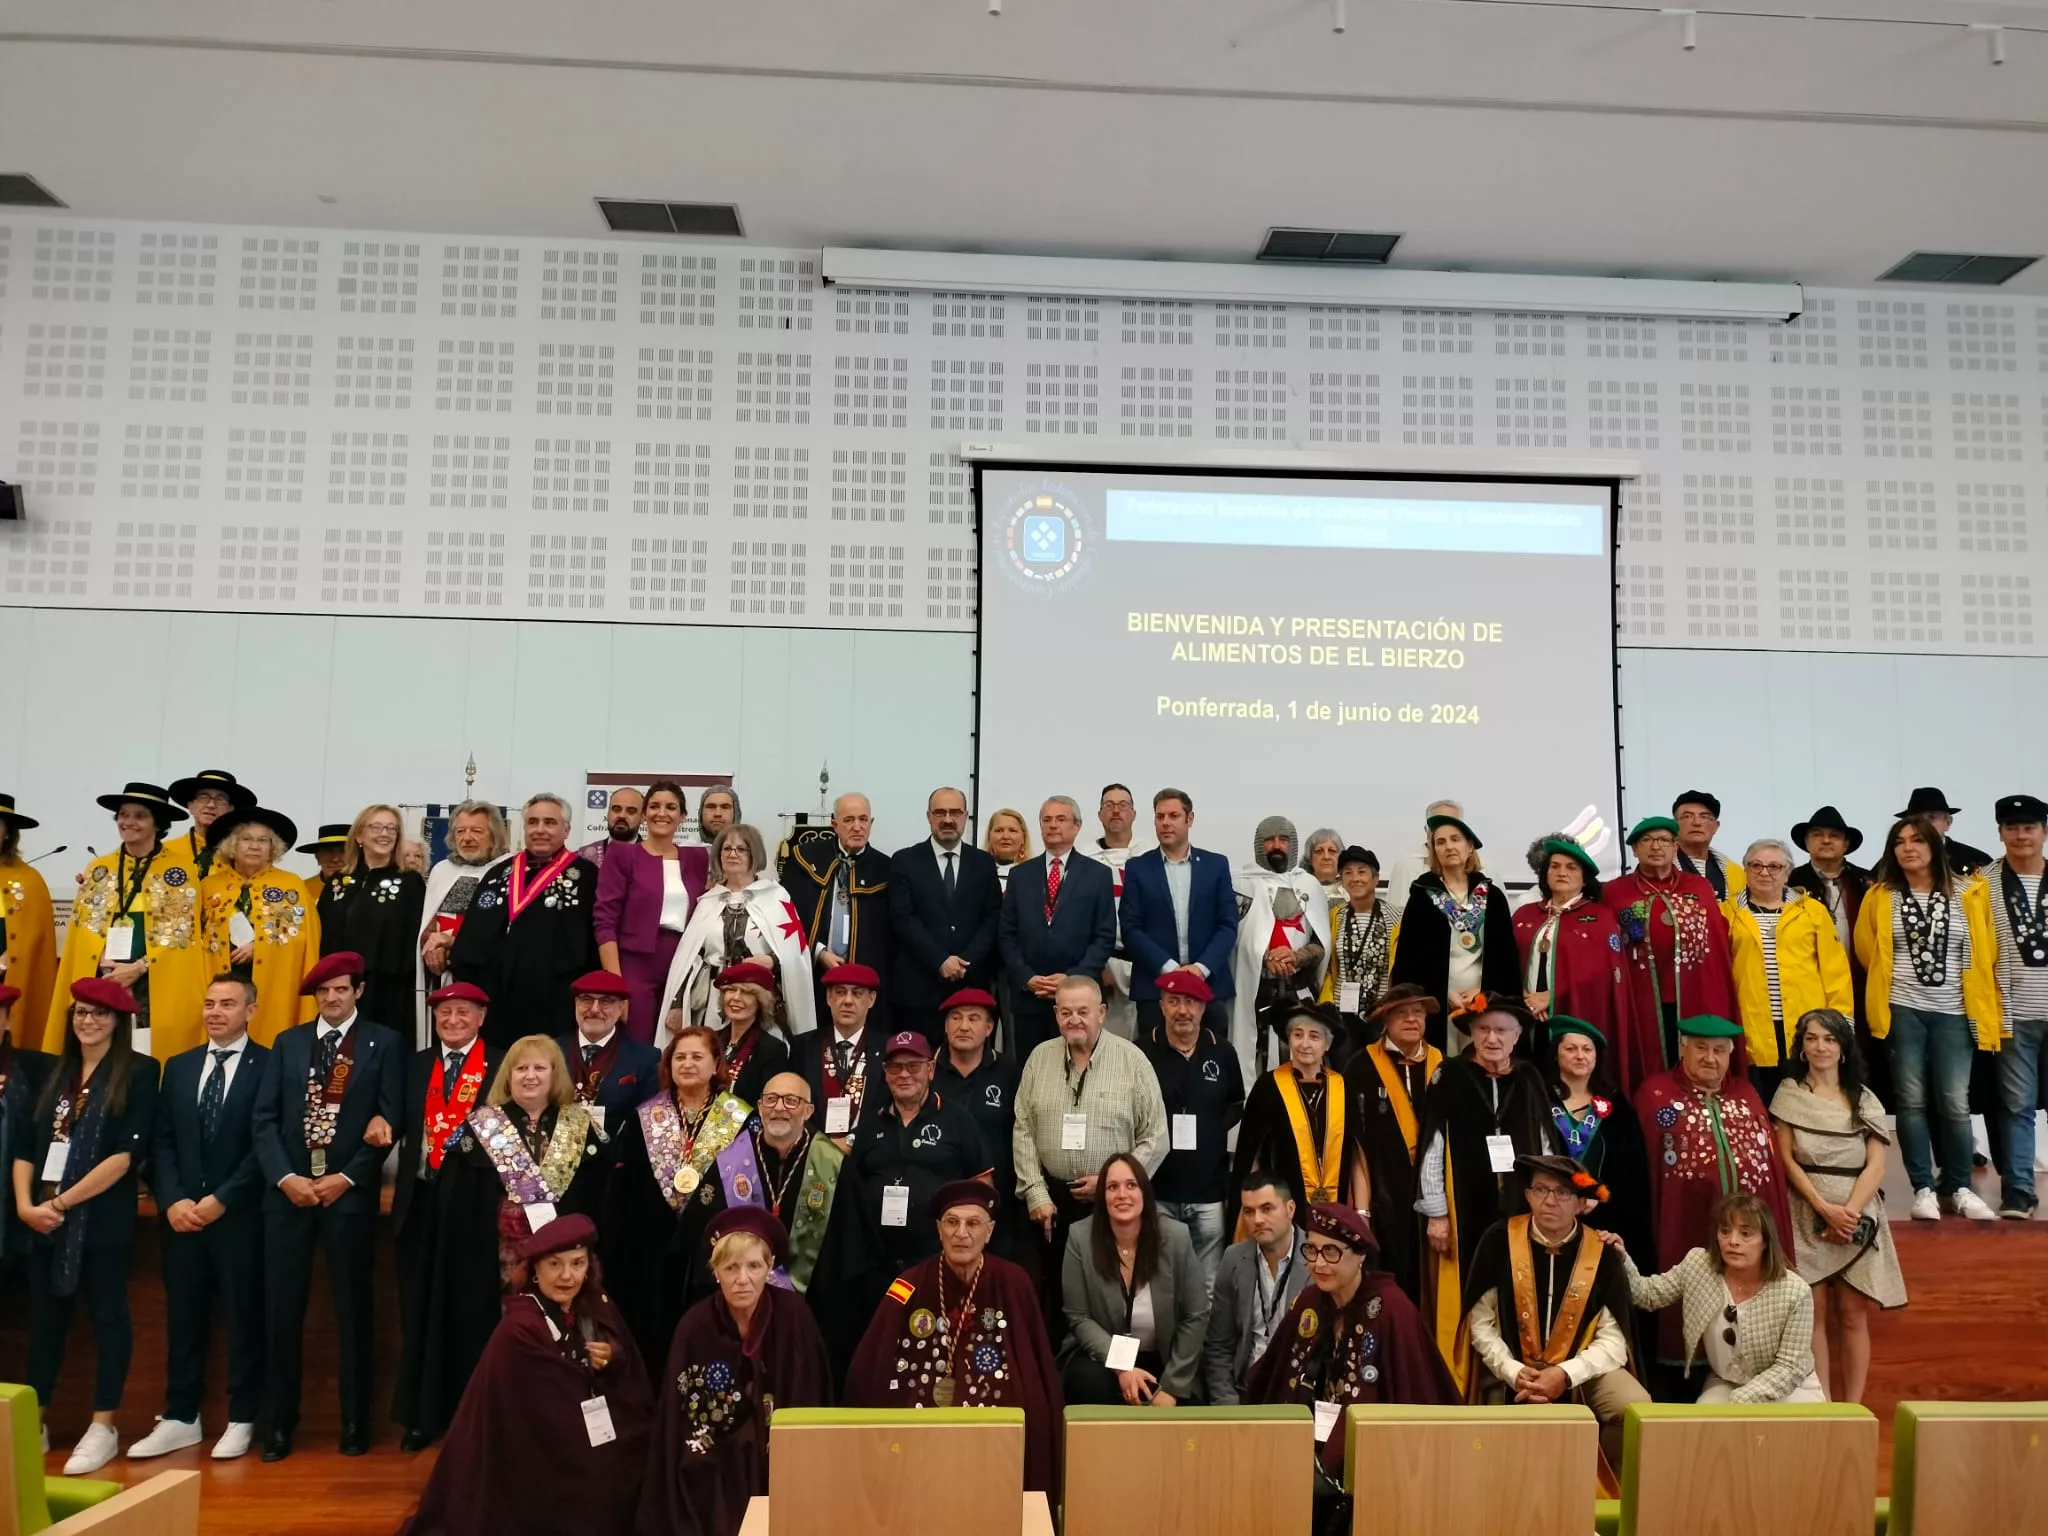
(208, 1067)
(1180, 887)
(603, 1041)
(1268, 1298)
(675, 896)
(326, 1029)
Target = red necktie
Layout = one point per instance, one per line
(1052, 886)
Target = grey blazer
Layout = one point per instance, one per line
(1094, 1305)
(1233, 1319)
(1774, 1333)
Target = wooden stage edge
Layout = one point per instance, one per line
(1976, 1330)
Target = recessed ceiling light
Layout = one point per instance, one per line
(633, 217)
(1957, 267)
(25, 191)
(1346, 247)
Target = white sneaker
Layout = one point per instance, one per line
(1965, 1202)
(234, 1443)
(95, 1448)
(168, 1436)
(1925, 1206)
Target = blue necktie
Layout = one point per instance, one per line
(211, 1093)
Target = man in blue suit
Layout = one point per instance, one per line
(325, 1109)
(944, 903)
(1059, 919)
(1180, 909)
(614, 1075)
(203, 1171)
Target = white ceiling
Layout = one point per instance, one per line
(1527, 136)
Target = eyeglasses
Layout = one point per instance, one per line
(1768, 869)
(781, 1101)
(1323, 1253)
(1728, 1317)
(902, 1066)
(1550, 1194)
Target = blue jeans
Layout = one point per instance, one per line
(1936, 1046)
(2019, 1094)
(1205, 1225)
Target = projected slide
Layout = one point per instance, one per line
(1336, 650)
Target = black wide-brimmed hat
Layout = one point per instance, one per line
(9, 814)
(1826, 819)
(276, 821)
(220, 781)
(333, 834)
(1929, 801)
(139, 793)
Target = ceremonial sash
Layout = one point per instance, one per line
(1397, 1093)
(526, 1182)
(1571, 1311)
(445, 1113)
(1322, 1174)
(323, 1100)
(519, 893)
(680, 1165)
(739, 1175)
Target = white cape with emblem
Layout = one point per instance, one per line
(773, 928)
(1255, 889)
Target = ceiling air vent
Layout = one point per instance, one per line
(641, 218)
(26, 192)
(1952, 267)
(1342, 246)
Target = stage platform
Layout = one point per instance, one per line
(1976, 1329)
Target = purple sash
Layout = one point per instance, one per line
(503, 1145)
(740, 1176)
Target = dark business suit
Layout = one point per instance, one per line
(345, 1229)
(633, 1078)
(810, 1054)
(225, 1258)
(928, 925)
(1152, 937)
(1076, 942)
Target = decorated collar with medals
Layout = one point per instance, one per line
(2029, 923)
(681, 1155)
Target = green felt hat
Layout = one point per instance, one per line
(1451, 821)
(1563, 1024)
(1710, 1026)
(1572, 850)
(1651, 824)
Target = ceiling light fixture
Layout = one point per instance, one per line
(1688, 27)
(24, 191)
(1338, 19)
(1957, 267)
(629, 216)
(1994, 39)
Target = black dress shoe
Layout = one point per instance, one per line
(355, 1440)
(277, 1445)
(415, 1441)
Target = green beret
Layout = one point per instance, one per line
(1563, 1024)
(1651, 824)
(1572, 850)
(1709, 1026)
(1451, 821)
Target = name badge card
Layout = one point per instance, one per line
(597, 1421)
(54, 1161)
(1327, 1415)
(240, 930)
(1073, 1133)
(596, 1113)
(1123, 1353)
(1183, 1133)
(120, 946)
(838, 1116)
(1347, 997)
(538, 1215)
(1500, 1153)
(896, 1205)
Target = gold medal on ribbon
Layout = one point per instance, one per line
(942, 1392)
(687, 1180)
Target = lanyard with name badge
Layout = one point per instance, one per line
(120, 946)
(1074, 1126)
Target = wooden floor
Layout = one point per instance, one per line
(1977, 1329)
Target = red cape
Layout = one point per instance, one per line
(1002, 1360)
(1588, 976)
(1688, 1173)
(1703, 983)
(518, 1460)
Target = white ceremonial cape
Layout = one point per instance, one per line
(1255, 886)
(772, 922)
(439, 879)
(1122, 1018)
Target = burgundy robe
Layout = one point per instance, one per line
(1657, 918)
(1003, 1358)
(1702, 1146)
(710, 1450)
(518, 1460)
(1376, 1350)
(1588, 976)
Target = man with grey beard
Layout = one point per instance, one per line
(1283, 934)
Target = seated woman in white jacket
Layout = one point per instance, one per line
(1745, 1309)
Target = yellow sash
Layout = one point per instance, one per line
(1320, 1175)
(1397, 1095)
(1571, 1310)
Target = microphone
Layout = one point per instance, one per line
(52, 853)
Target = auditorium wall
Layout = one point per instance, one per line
(340, 508)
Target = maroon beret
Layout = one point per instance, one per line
(460, 992)
(1341, 1222)
(562, 1233)
(750, 1219)
(1187, 984)
(600, 984)
(908, 1042)
(963, 1192)
(343, 962)
(9, 995)
(968, 997)
(102, 993)
(747, 973)
(850, 975)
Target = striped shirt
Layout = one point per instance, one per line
(1119, 1096)
(1767, 938)
(2024, 987)
(1907, 990)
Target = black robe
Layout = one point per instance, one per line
(454, 1289)
(710, 1449)
(768, 1055)
(1616, 1158)
(525, 964)
(519, 1461)
(377, 913)
(655, 1256)
(1493, 1270)
(1460, 1104)
(807, 875)
(1422, 954)
(1265, 1136)
(1391, 1167)
(22, 1074)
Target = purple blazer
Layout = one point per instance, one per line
(628, 911)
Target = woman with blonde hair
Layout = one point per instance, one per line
(372, 908)
(262, 924)
(1008, 839)
(754, 1052)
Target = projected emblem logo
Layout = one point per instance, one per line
(1044, 539)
